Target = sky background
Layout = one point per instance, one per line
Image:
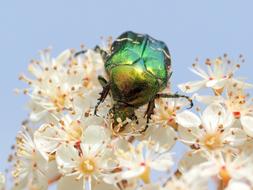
(191, 29)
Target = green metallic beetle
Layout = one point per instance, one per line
(138, 68)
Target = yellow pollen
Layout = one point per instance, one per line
(87, 166)
(59, 100)
(51, 157)
(218, 92)
(168, 114)
(172, 122)
(224, 175)
(145, 176)
(73, 62)
(75, 131)
(218, 61)
(212, 141)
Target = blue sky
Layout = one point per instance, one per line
(190, 29)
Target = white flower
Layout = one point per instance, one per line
(166, 137)
(192, 158)
(88, 160)
(224, 167)
(166, 110)
(49, 137)
(212, 132)
(79, 151)
(138, 161)
(229, 167)
(30, 169)
(195, 178)
(220, 72)
(66, 83)
(2, 181)
(238, 103)
(162, 127)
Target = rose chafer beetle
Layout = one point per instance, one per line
(138, 68)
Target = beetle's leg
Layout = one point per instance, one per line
(150, 110)
(80, 52)
(148, 113)
(102, 81)
(170, 74)
(176, 95)
(106, 88)
(102, 52)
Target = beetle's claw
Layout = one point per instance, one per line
(188, 98)
(95, 112)
(144, 130)
(191, 102)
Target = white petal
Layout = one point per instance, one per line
(100, 185)
(235, 136)
(207, 99)
(67, 158)
(191, 159)
(39, 181)
(121, 143)
(36, 116)
(63, 57)
(236, 185)
(69, 182)
(2, 181)
(52, 170)
(90, 150)
(208, 169)
(132, 173)
(188, 119)
(216, 83)
(247, 123)
(112, 178)
(190, 87)
(95, 134)
(93, 120)
(228, 119)
(45, 139)
(163, 163)
(164, 136)
(151, 187)
(241, 84)
(188, 136)
(213, 116)
(200, 72)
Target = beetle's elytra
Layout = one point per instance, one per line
(138, 68)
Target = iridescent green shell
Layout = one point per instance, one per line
(138, 68)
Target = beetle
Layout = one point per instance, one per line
(138, 69)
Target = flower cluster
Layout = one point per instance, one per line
(62, 142)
